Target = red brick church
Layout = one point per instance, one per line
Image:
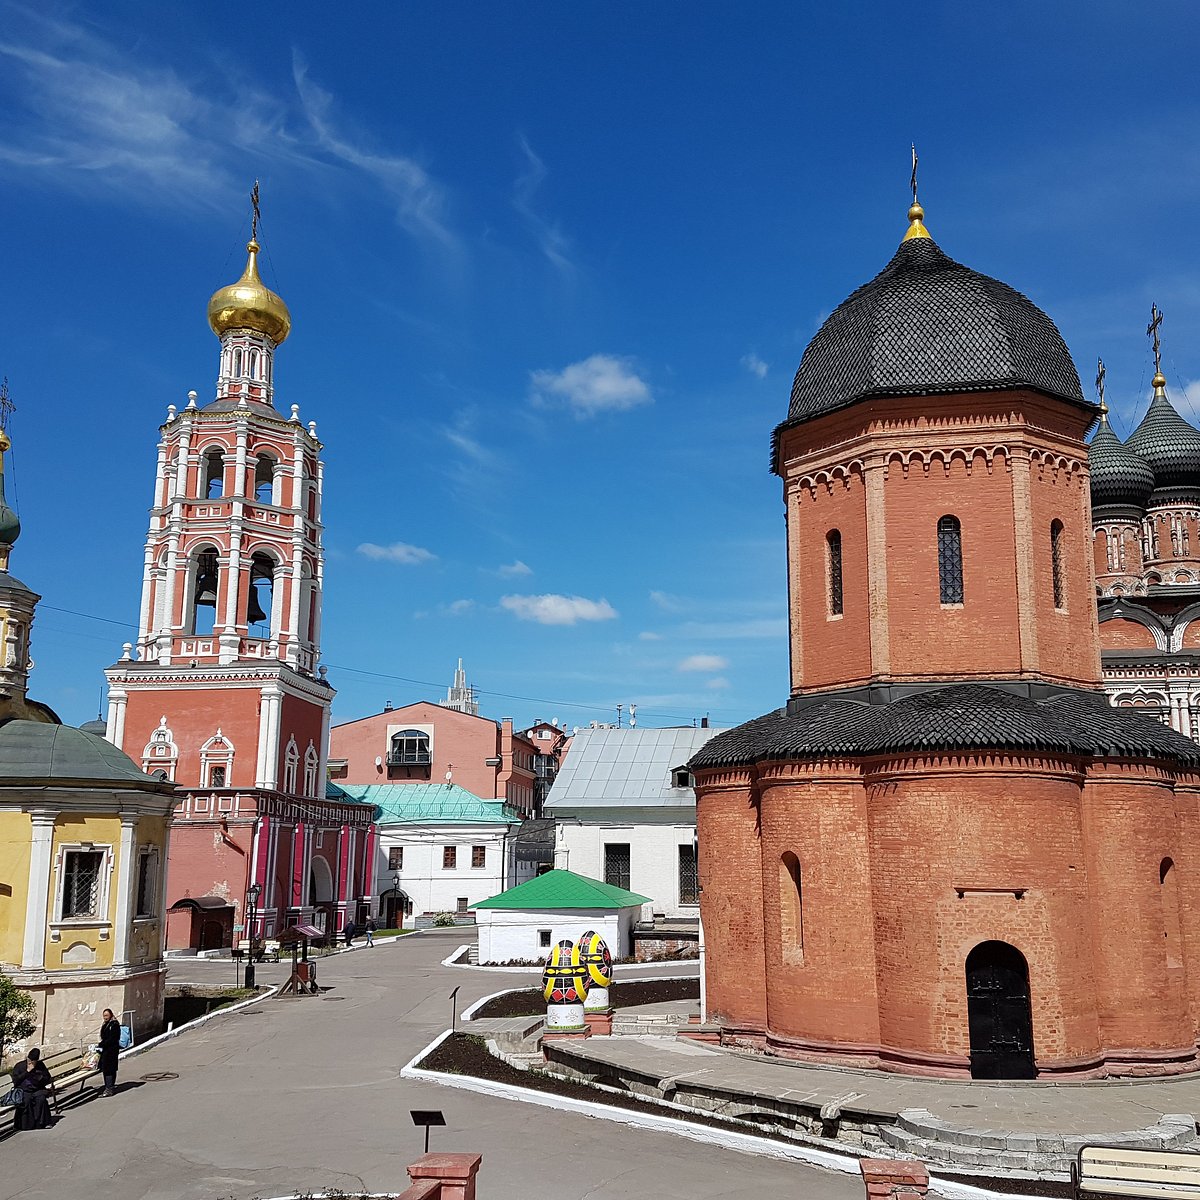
(948, 854)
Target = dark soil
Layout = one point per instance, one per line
(529, 1002)
(186, 1003)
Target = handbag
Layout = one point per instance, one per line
(126, 1037)
(92, 1060)
(14, 1099)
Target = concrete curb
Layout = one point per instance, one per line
(468, 1013)
(168, 1034)
(743, 1143)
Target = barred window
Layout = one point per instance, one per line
(81, 883)
(147, 883)
(1056, 561)
(689, 881)
(395, 858)
(616, 864)
(950, 567)
(449, 858)
(478, 856)
(833, 543)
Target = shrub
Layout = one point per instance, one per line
(16, 1013)
(443, 920)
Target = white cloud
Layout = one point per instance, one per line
(554, 609)
(397, 552)
(514, 570)
(761, 627)
(667, 602)
(601, 383)
(703, 662)
(551, 240)
(420, 200)
(647, 636)
(755, 365)
(718, 683)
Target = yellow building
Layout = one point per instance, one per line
(83, 844)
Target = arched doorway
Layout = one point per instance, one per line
(999, 1014)
(320, 894)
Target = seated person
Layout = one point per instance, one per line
(33, 1080)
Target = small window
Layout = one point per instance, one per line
(1058, 570)
(449, 858)
(81, 883)
(681, 777)
(214, 475)
(950, 565)
(544, 939)
(216, 777)
(689, 883)
(616, 864)
(463, 901)
(146, 883)
(478, 856)
(396, 858)
(833, 552)
(791, 909)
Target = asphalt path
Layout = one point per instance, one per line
(304, 1094)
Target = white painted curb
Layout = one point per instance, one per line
(743, 1143)
(468, 1014)
(168, 1034)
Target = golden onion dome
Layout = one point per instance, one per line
(250, 304)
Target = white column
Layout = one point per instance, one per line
(37, 913)
(117, 701)
(272, 701)
(126, 882)
(164, 856)
(166, 623)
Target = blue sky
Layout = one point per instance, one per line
(551, 269)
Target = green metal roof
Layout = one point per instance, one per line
(563, 889)
(38, 750)
(429, 804)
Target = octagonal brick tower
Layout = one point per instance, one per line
(947, 854)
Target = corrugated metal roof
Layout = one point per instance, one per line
(429, 804)
(563, 889)
(627, 768)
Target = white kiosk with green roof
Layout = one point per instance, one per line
(524, 923)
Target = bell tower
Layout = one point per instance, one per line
(224, 670)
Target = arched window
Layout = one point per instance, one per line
(237, 364)
(1168, 879)
(253, 364)
(409, 747)
(213, 484)
(311, 761)
(950, 566)
(264, 479)
(833, 554)
(216, 761)
(160, 752)
(291, 765)
(1056, 564)
(204, 593)
(791, 909)
(261, 604)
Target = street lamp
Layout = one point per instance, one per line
(253, 895)
(397, 915)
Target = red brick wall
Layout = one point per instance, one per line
(1120, 634)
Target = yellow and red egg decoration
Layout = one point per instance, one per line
(595, 958)
(565, 979)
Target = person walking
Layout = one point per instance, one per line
(370, 930)
(349, 934)
(110, 1048)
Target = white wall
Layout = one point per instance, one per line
(508, 935)
(433, 888)
(653, 859)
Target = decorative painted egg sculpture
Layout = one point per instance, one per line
(594, 955)
(565, 980)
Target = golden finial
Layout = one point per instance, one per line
(1100, 373)
(1159, 382)
(916, 214)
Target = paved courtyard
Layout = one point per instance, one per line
(305, 1094)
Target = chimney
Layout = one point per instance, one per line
(387, 706)
(703, 722)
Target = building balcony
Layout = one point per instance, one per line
(409, 760)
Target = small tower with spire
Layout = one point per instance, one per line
(460, 696)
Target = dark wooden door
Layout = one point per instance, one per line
(999, 1015)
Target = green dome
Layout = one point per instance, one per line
(32, 750)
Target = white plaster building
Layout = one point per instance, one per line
(626, 813)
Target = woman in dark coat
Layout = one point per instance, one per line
(33, 1080)
(110, 1047)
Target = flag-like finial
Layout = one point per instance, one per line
(257, 212)
(1100, 373)
(1159, 380)
(916, 214)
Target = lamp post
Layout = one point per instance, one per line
(398, 914)
(253, 895)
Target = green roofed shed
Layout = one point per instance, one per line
(564, 889)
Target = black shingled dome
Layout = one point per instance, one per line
(1118, 475)
(1169, 444)
(925, 325)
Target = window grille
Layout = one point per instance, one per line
(81, 883)
(1057, 566)
(833, 542)
(449, 857)
(689, 881)
(616, 864)
(950, 566)
(478, 856)
(216, 777)
(396, 858)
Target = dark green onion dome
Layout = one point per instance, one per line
(1167, 443)
(1120, 478)
(35, 751)
(927, 325)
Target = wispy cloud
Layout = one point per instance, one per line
(420, 200)
(553, 243)
(703, 662)
(759, 627)
(755, 365)
(667, 602)
(459, 608)
(601, 383)
(553, 609)
(718, 683)
(514, 570)
(648, 636)
(397, 552)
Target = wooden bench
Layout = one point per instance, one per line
(65, 1066)
(1122, 1171)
